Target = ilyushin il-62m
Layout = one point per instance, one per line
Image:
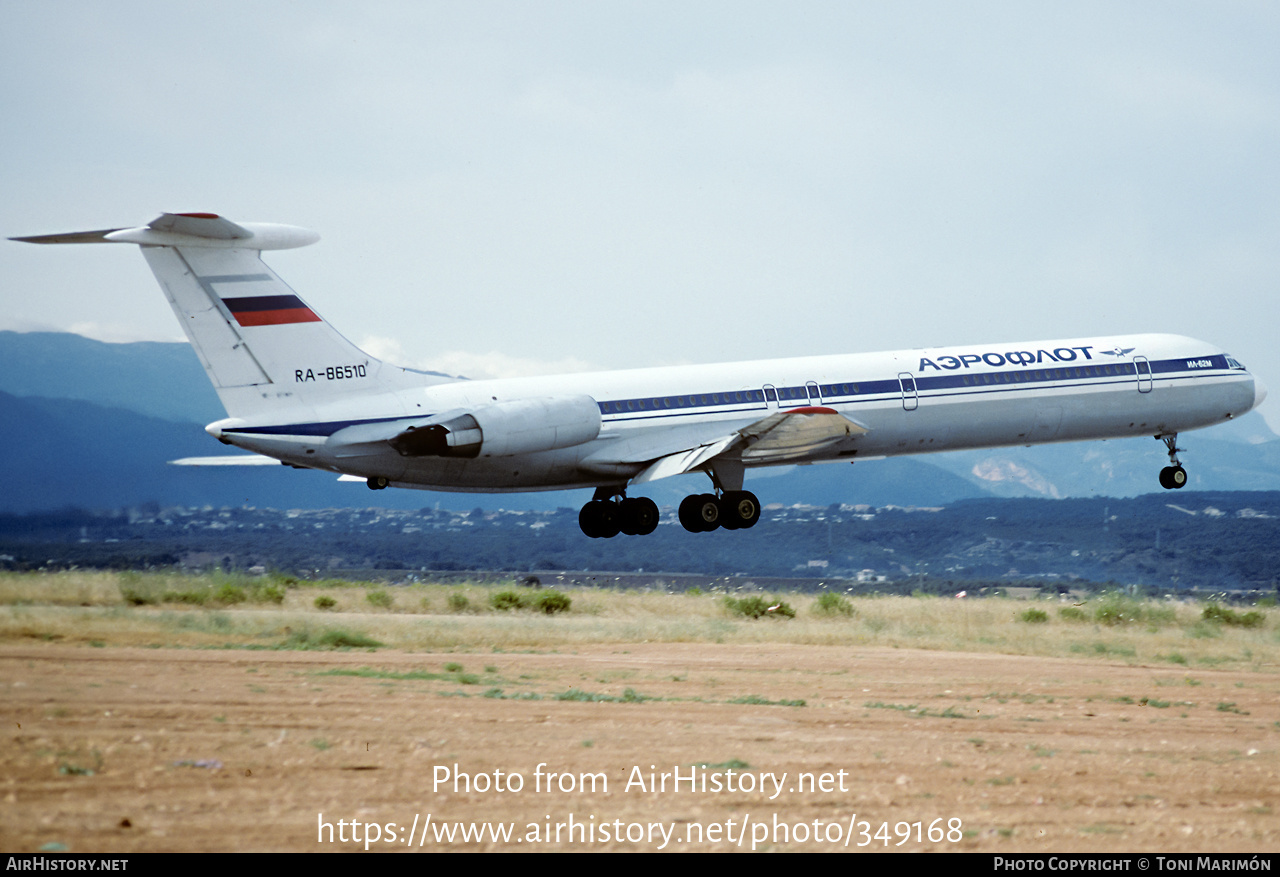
(298, 392)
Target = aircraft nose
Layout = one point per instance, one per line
(1259, 391)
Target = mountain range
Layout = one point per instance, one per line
(93, 425)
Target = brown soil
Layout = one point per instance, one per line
(124, 750)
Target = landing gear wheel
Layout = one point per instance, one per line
(739, 510)
(599, 519)
(1173, 477)
(700, 513)
(638, 516)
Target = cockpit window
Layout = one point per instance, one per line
(1232, 362)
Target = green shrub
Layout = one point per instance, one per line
(1116, 609)
(458, 602)
(831, 603)
(1072, 613)
(270, 594)
(136, 596)
(1221, 615)
(343, 639)
(505, 601)
(324, 601)
(551, 602)
(381, 599)
(758, 607)
(1035, 616)
(229, 594)
(329, 639)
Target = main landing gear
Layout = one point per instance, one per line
(604, 517)
(733, 510)
(1172, 477)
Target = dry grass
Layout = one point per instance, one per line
(170, 609)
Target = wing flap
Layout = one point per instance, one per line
(796, 434)
(781, 437)
(685, 461)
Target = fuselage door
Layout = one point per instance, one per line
(910, 399)
(770, 397)
(815, 395)
(1143, 367)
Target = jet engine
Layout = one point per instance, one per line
(505, 429)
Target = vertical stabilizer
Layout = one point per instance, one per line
(263, 347)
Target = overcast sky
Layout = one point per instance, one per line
(516, 187)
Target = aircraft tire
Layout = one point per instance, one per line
(700, 513)
(739, 510)
(709, 512)
(638, 516)
(599, 519)
(587, 521)
(688, 514)
(1173, 477)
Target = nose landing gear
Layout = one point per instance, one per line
(1172, 477)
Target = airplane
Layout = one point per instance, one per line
(298, 392)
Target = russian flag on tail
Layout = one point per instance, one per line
(270, 310)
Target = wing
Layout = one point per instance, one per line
(787, 436)
(228, 460)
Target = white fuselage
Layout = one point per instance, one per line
(909, 401)
(298, 391)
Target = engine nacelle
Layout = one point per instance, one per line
(504, 429)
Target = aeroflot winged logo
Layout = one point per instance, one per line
(1016, 357)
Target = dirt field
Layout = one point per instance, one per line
(129, 749)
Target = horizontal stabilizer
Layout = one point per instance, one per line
(74, 237)
(206, 230)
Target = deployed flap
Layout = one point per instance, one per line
(685, 461)
(797, 433)
(787, 435)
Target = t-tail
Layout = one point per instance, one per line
(265, 349)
